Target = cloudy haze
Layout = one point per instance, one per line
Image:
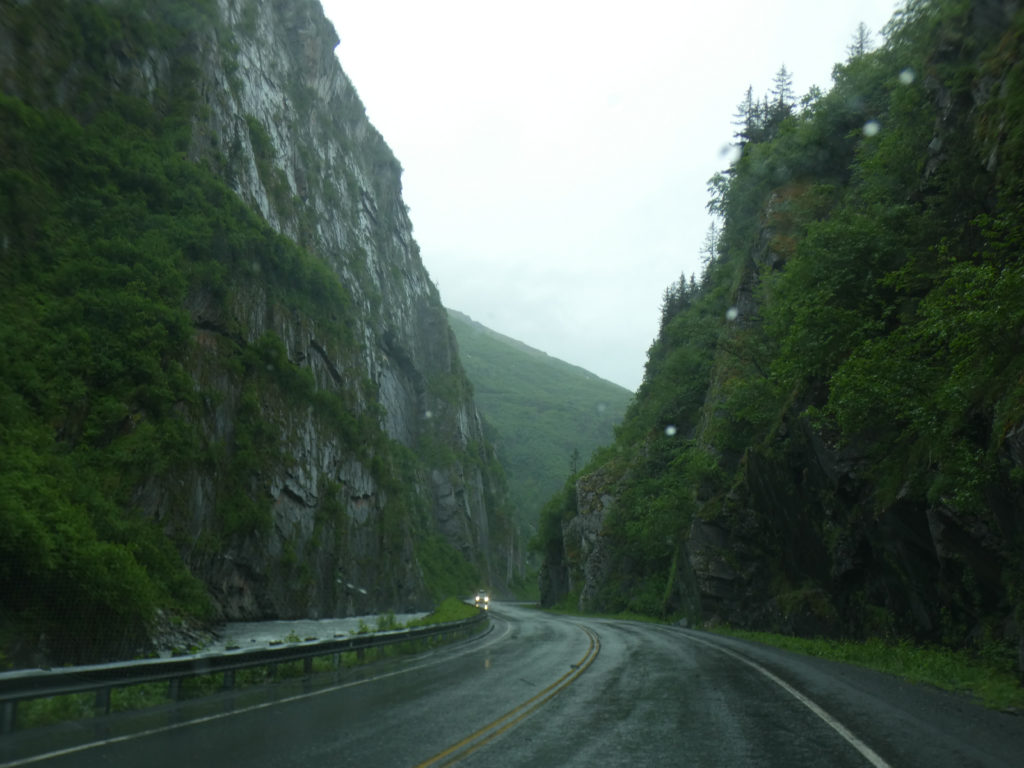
(556, 154)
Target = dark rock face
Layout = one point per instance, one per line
(553, 581)
(323, 176)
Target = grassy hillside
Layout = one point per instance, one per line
(542, 407)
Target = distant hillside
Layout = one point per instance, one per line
(541, 406)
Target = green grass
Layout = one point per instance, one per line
(445, 570)
(990, 680)
(451, 609)
(988, 676)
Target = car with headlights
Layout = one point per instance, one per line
(483, 600)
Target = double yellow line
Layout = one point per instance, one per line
(488, 733)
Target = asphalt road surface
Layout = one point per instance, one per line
(542, 690)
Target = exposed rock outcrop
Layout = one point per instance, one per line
(798, 530)
(275, 116)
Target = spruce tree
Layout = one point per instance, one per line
(861, 42)
(745, 117)
(783, 90)
(709, 250)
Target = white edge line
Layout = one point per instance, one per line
(264, 705)
(871, 756)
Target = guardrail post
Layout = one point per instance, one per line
(7, 718)
(229, 679)
(335, 660)
(174, 689)
(307, 665)
(102, 706)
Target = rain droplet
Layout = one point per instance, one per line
(428, 415)
(601, 408)
(255, 266)
(270, 367)
(732, 314)
(731, 153)
(670, 430)
(871, 128)
(907, 76)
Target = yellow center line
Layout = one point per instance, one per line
(534, 708)
(546, 695)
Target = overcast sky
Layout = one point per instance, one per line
(556, 153)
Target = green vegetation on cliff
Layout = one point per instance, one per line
(105, 230)
(543, 409)
(829, 423)
(111, 235)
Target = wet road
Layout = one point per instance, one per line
(541, 690)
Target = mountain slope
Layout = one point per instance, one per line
(542, 407)
(218, 343)
(828, 438)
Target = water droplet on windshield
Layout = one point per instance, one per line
(428, 415)
(601, 408)
(270, 367)
(731, 153)
(732, 314)
(670, 430)
(907, 76)
(871, 128)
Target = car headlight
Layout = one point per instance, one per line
(487, 599)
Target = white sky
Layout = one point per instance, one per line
(556, 153)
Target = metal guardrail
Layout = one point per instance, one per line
(22, 685)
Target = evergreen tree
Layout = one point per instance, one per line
(718, 185)
(745, 117)
(812, 96)
(861, 42)
(574, 461)
(709, 250)
(783, 90)
(668, 303)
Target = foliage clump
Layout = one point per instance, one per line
(106, 229)
(860, 300)
(125, 267)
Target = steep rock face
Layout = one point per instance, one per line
(795, 529)
(806, 540)
(273, 114)
(587, 564)
(585, 559)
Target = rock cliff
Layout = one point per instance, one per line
(732, 504)
(347, 477)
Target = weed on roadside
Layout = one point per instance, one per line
(988, 680)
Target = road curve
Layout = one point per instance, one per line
(541, 690)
